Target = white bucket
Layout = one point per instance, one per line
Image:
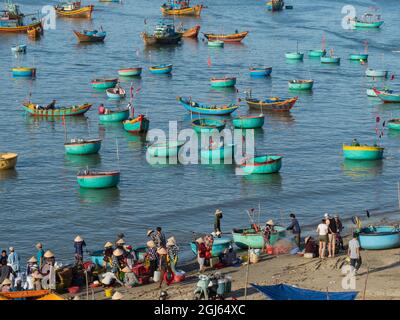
(156, 276)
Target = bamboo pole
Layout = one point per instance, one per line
(365, 285)
(247, 273)
(398, 193)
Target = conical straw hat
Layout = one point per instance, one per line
(120, 242)
(162, 251)
(32, 260)
(151, 244)
(6, 282)
(108, 245)
(118, 252)
(117, 296)
(49, 254)
(78, 239)
(270, 222)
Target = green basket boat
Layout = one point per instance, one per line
(82, 146)
(245, 238)
(98, 179)
(130, 72)
(207, 125)
(330, 59)
(117, 115)
(316, 53)
(223, 82)
(294, 55)
(394, 124)
(262, 164)
(362, 152)
(215, 155)
(248, 122)
(215, 43)
(165, 149)
(359, 56)
(138, 125)
(300, 84)
(102, 84)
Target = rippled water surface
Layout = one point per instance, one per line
(41, 200)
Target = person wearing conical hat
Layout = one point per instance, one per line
(37, 280)
(151, 234)
(172, 256)
(107, 255)
(120, 240)
(130, 279)
(217, 222)
(49, 262)
(152, 256)
(6, 272)
(130, 256)
(163, 265)
(269, 228)
(117, 296)
(117, 261)
(201, 253)
(79, 243)
(40, 254)
(31, 266)
(6, 285)
(159, 238)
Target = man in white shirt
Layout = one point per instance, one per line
(354, 254)
(322, 231)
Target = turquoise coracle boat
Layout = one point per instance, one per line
(82, 146)
(219, 246)
(258, 72)
(223, 82)
(117, 115)
(215, 155)
(359, 56)
(394, 124)
(245, 238)
(130, 72)
(362, 152)
(294, 55)
(316, 53)
(98, 180)
(262, 164)
(207, 125)
(330, 59)
(248, 122)
(161, 69)
(103, 84)
(165, 149)
(300, 84)
(379, 237)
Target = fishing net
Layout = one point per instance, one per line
(282, 246)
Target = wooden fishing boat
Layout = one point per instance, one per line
(234, 37)
(164, 33)
(368, 20)
(190, 33)
(316, 53)
(90, 36)
(30, 295)
(260, 71)
(116, 115)
(376, 73)
(294, 55)
(37, 110)
(358, 56)
(394, 124)
(330, 59)
(245, 238)
(20, 28)
(20, 48)
(200, 108)
(218, 247)
(165, 149)
(8, 160)
(218, 154)
(275, 5)
(387, 97)
(248, 122)
(137, 125)
(207, 125)
(223, 82)
(175, 9)
(24, 72)
(98, 179)
(161, 69)
(13, 20)
(74, 10)
(215, 43)
(271, 104)
(371, 92)
(362, 152)
(116, 93)
(379, 237)
(130, 72)
(103, 84)
(300, 84)
(34, 32)
(262, 164)
(82, 146)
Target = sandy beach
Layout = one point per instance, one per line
(379, 268)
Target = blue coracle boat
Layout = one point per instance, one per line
(219, 246)
(161, 69)
(286, 292)
(379, 237)
(257, 72)
(200, 108)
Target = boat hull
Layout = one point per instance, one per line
(20, 29)
(219, 246)
(249, 238)
(84, 12)
(69, 111)
(201, 109)
(83, 148)
(8, 161)
(283, 106)
(130, 72)
(379, 238)
(223, 83)
(87, 38)
(207, 125)
(104, 84)
(24, 72)
(150, 40)
(362, 152)
(263, 165)
(316, 53)
(161, 70)
(376, 24)
(191, 11)
(138, 126)
(235, 37)
(376, 73)
(260, 72)
(359, 56)
(225, 152)
(191, 33)
(248, 122)
(115, 96)
(394, 124)
(301, 85)
(116, 116)
(330, 59)
(294, 56)
(99, 181)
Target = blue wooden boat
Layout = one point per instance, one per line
(97, 256)
(262, 164)
(219, 246)
(316, 53)
(362, 152)
(248, 122)
(379, 237)
(287, 292)
(114, 115)
(258, 72)
(161, 69)
(330, 59)
(215, 155)
(200, 108)
(245, 238)
(165, 149)
(20, 48)
(207, 125)
(24, 72)
(98, 179)
(82, 146)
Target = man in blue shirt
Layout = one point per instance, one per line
(295, 227)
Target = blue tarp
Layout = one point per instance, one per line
(286, 292)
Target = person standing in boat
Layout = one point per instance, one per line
(40, 255)
(355, 143)
(160, 239)
(108, 253)
(217, 222)
(295, 227)
(79, 243)
(172, 250)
